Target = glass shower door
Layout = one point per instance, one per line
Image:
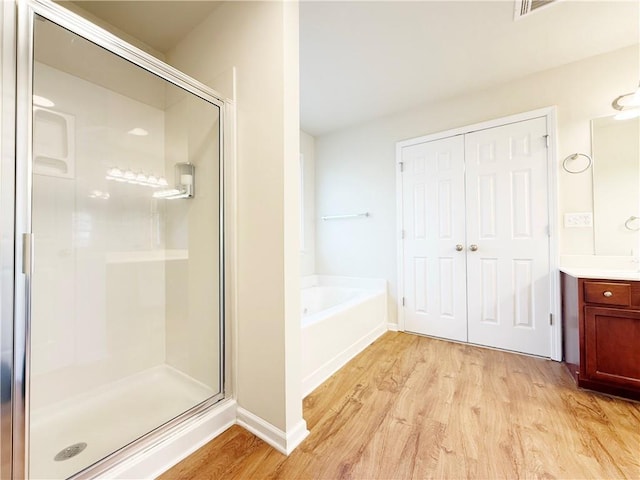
(125, 300)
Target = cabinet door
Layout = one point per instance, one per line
(612, 346)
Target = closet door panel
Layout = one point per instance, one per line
(507, 219)
(433, 219)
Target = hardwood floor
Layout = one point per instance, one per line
(415, 407)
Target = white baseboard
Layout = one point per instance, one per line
(296, 436)
(313, 381)
(392, 327)
(283, 442)
(193, 434)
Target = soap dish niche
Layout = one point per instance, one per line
(53, 143)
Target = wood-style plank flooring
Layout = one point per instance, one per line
(415, 407)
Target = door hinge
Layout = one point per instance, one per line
(402, 234)
(546, 140)
(401, 167)
(403, 302)
(551, 319)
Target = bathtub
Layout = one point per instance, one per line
(341, 316)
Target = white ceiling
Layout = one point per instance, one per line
(361, 60)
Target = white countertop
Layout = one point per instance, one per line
(602, 273)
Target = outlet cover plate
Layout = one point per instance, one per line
(578, 220)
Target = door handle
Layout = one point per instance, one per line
(473, 247)
(27, 253)
(459, 247)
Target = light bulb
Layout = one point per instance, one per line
(138, 132)
(114, 172)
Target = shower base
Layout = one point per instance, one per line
(108, 419)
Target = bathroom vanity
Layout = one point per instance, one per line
(601, 329)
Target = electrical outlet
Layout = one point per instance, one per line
(578, 220)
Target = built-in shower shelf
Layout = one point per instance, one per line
(147, 256)
(53, 144)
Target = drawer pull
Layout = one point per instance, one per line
(608, 293)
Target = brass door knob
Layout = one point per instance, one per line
(473, 247)
(459, 247)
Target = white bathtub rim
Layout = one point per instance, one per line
(342, 281)
(308, 320)
(312, 297)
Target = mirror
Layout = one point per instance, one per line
(615, 146)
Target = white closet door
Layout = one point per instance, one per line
(507, 218)
(433, 219)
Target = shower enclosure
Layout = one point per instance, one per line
(119, 278)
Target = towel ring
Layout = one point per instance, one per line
(573, 157)
(629, 220)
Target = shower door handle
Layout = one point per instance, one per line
(27, 253)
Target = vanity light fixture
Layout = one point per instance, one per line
(99, 194)
(136, 178)
(184, 181)
(628, 105)
(628, 114)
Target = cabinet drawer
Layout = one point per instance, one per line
(607, 293)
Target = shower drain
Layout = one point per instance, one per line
(70, 452)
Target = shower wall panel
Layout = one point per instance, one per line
(192, 283)
(98, 283)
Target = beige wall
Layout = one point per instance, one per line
(258, 41)
(294, 422)
(70, 5)
(307, 252)
(362, 159)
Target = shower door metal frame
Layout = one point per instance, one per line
(7, 225)
(27, 10)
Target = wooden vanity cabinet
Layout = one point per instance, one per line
(601, 333)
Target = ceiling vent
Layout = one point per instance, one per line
(525, 7)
